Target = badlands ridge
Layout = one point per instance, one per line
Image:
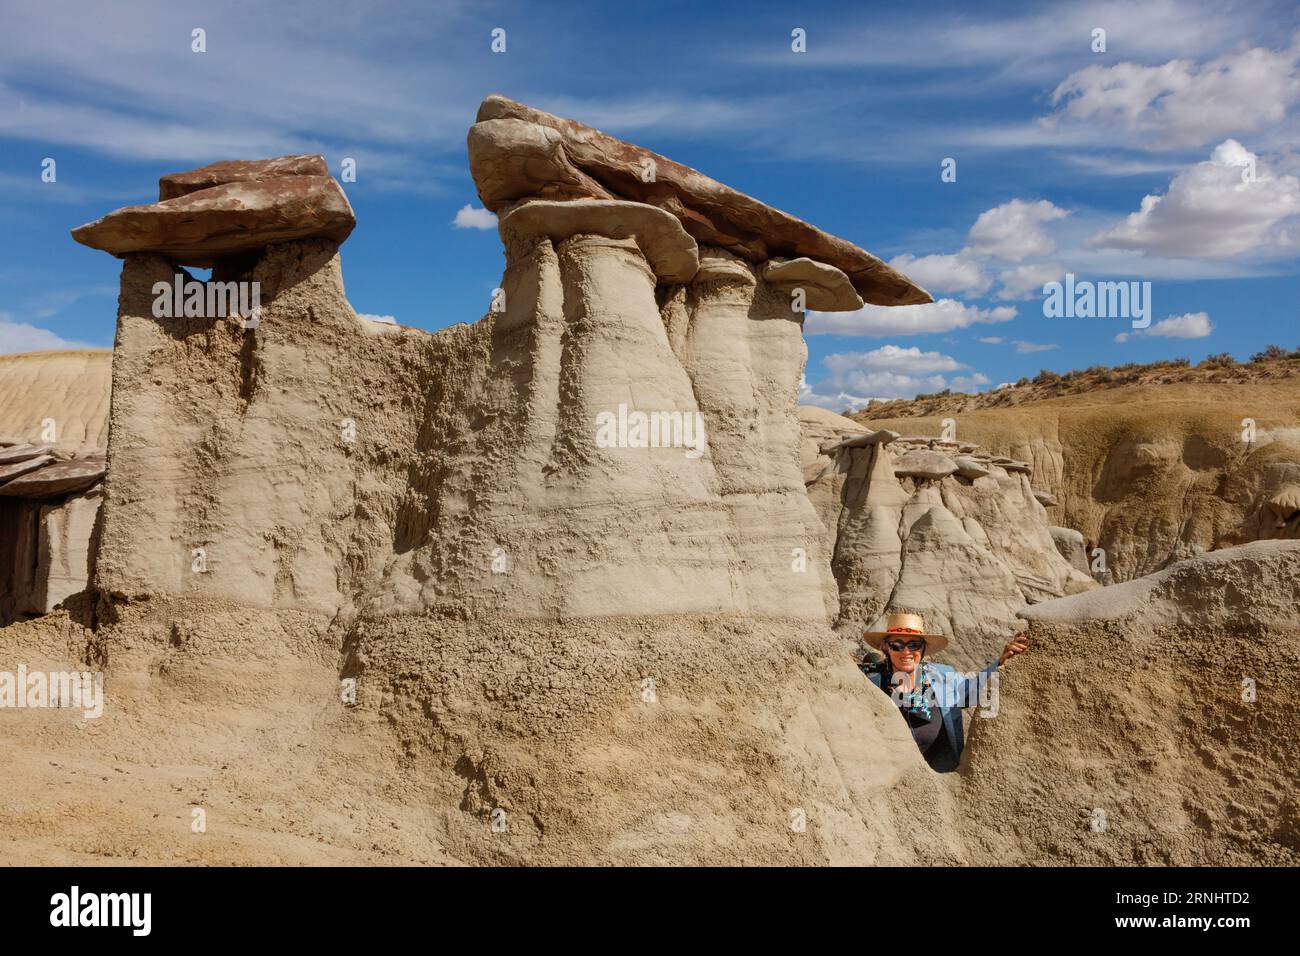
(363, 593)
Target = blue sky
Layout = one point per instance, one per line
(1126, 164)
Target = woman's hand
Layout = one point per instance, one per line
(1017, 645)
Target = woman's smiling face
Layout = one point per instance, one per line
(905, 660)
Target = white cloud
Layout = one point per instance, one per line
(943, 273)
(1027, 42)
(1190, 325)
(471, 217)
(1021, 346)
(879, 320)
(1026, 282)
(1014, 230)
(889, 372)
(386, 319)
(1111, 164)
(969, 383)
(1214, 209)
(839, 402)
(1182, 103)
(899, 384)
(127, 92)
(60, 191)
(23, 337)
(891, 358)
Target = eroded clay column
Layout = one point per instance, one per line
(717, 354)
(616, 525)
(613, 349)
(744, 349)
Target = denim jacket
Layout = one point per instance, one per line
(952, 692)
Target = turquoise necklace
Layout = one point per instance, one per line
(916, 702)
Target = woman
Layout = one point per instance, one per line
(929, 695)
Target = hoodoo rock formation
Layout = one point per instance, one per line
(228, 209)
(962, 537)
(561, 585)
(53, 418)
(518, 153)
(546, 618)
(1152, 474)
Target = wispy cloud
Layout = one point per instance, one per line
(1182, 103)
(877, 320)
(1026, 44)
(296, 77)
(24, 337)
(31, 187)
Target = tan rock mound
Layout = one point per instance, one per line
(68, 388)
(881, 437)
(1151, 722)
(228, 210)
(961, 539)
(517, 152)
(16, 469)
(820, 428)
(923, 464)
(565, 553)
(175, 185)
(57, 478)
(968, 467)
(671, 253)
(1285, 506)
(53, 426)
(12, 454)
(827, 288)
(1072, 547)
(1150, 474)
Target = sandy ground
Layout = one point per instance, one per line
(282, 771)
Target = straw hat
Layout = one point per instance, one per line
(905, 624)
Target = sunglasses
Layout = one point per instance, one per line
(897, 646)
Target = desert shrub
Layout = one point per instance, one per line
(1272, 352)
(1023, 382)
(1046, 377)
(1221, 360)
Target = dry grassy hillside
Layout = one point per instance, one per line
(70, 386)
(1151, 473)
(1272, 364)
